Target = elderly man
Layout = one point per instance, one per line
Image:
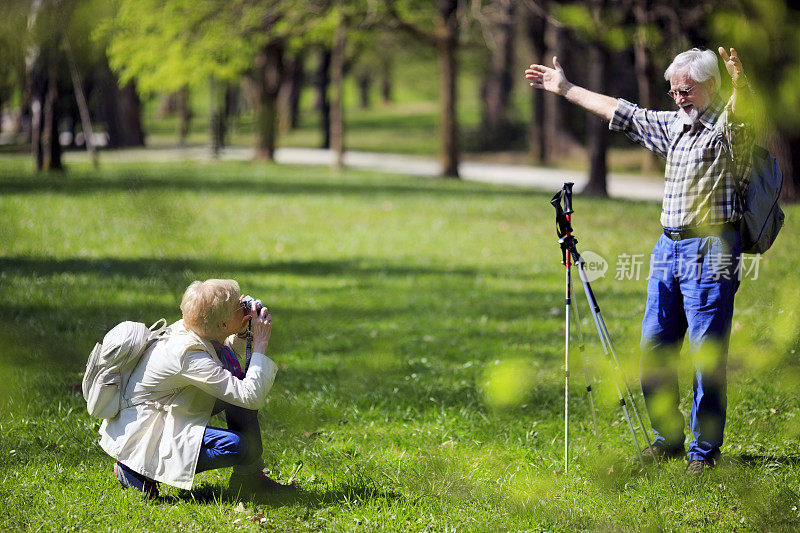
(693, 268)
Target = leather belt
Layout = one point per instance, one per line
(700, 231)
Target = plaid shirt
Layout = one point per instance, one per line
(702, 161)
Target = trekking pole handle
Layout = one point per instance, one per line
(568, 198)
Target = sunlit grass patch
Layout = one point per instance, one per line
(419, 338)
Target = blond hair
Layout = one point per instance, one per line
(206, 303)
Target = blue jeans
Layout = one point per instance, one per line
(691, 289)
(237, 446)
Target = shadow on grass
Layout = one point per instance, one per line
(150, 267)
(206, 493)
(131, 181)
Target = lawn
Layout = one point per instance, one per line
(419, 336)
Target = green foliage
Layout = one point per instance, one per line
(601, 26)
(166, 45)
(12, 42)
(399, 303)
(766, 33)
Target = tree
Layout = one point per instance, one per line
(600, 27)
(42, 60)
(498, 24)
(337, 79)
(766, 33)
(12, 54)
(645, 39)
(413, 16)
(289, 97)
(535, 27)
(174, 44)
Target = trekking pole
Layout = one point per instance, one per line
(568, 300)
(608, 348)
(582, 350)
(563, 230)
(571, 256)
(605, 343)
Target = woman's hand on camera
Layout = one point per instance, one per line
(261, 327)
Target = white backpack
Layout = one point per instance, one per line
(111, 363)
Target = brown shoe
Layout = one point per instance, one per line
(699, 467)
(656, 454)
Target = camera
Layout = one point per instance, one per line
(247, 304)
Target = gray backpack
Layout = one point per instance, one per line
(762, 217)
(111, 363)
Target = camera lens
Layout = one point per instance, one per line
(247, 303)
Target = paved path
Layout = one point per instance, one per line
(630, 186)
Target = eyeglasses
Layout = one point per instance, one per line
(683, 92)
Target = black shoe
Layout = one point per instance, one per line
(656, 454)
(698, 467)
(258, 483)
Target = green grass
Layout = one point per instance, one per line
(418, 331)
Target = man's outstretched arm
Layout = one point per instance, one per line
(554, 80)
(741, 101)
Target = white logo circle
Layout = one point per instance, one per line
(594, 265)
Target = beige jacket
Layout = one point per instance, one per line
(173, 389)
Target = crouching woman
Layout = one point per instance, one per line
(184, 378)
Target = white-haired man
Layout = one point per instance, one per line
(693, 269)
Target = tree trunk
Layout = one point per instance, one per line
(51, 148)
(597, 128)
(558, 140)
(498, 85)
(83, 108)
(38, 92)
(364, 86)
(386, 82)
(786, 150)
(289, 97)
(337, 81)
(269, 74)
(323, 105)
(119, 109)
(448, 71)
(184, 111)
(792, 171)
(129, 123)
(536, 26)
(216, 115)
(35, 87)
(232, 100)
(645, 73)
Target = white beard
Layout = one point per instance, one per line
(690, 118)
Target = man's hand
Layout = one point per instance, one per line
(549, 79)
(734, 66)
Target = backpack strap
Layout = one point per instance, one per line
(158, 331)
(719, 131)
(167, 395)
